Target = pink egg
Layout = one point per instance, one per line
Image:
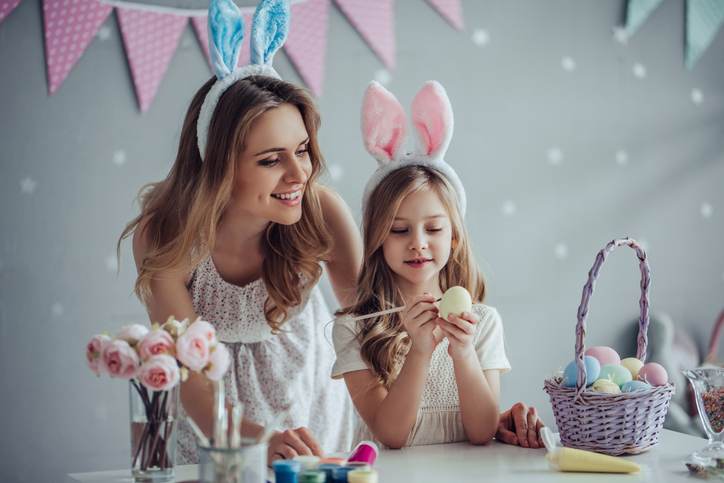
(654, 374)
(604, 354)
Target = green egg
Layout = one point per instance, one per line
(615, 373)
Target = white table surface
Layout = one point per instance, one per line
(460, 462)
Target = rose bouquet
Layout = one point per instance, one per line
(155, 360)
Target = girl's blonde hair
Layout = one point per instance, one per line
(179, 215)
(383, 340)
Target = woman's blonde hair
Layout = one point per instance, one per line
(179, 215)
(383, 340)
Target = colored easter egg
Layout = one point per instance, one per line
(455, 300)
(654, 374)
(570, 374)
(633, 386)
(633, 365)
(605, 355)
(615, 373)
(606, 386)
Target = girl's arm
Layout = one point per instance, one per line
(346, 257)
(391, 413)
(478, 390)
(170, 297)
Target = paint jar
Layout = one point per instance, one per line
(328, 469)
(308, 462)
(312, 477)
(339, 475)
(365, 451)
(362, 476)
(286, 471)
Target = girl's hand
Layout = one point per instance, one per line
(418, 320)
(287, 444)
(459, 332)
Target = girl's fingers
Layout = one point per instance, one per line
(532, 428)
(461, 324)
(306, 436)
(451, 331)
(292, 439)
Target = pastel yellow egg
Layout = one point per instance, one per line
(455, 300)
(606, 386)
(633, 365)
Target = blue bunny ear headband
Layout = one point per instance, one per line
(269, 29)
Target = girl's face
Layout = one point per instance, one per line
(273, 170)
(418, 245)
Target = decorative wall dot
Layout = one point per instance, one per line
(481, 37)
(112, 263)
(706, 210)
(509, 208)
(620, 35)
(119, 157)
(639, 70)
(28, 185)
(336, 172)
(383, 76)
(621, 157)
(555, 156)
(697, 97)
(561, 251)
(568, 64)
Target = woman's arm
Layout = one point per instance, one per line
(346, 257)
(170, 297)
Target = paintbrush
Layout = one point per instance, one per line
(383, 312)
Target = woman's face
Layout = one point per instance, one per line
(418, 245)
(273, 170)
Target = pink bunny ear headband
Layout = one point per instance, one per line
(384, 126)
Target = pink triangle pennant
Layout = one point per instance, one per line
(374, 20)
(150, 40)
(450, 10)
(306, 43)
(70, 25)
(7, 6)
(202, 33)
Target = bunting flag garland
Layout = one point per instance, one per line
(70, 25)
(7, 6)
(150, 40)
(450, 10)
(704, 18)
(375, 22)
(306, 44)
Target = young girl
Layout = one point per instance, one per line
(414, 377)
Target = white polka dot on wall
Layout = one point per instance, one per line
(621, 157)
(112, 263)
(481, 37)
(186, 43)
(639, 70)
(706, 210)
(119, 157)
(336, 172)
(620, 35)
(561, 251)
(28, 185)
(555, 156)
(383, 76)
(57, 309)
(104, 33)
(697, 97)
(568, 64)
(509, 208)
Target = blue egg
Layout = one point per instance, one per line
(633, 386)
(593, 369)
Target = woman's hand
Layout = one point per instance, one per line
(418, 320)
(459, 332)
(292, 442)
(520, 425)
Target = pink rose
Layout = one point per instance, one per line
(156, 342)
(93, 352)
(119, 359)
(159, 373)
(204, 329)
(132, 333)
(192, 349)
(219, 361)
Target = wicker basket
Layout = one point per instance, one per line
(615, 424)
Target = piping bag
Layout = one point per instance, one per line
(578, 460)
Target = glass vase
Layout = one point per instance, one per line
(708, 384)
(154, 417)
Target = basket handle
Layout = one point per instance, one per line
(588, 290)
(714, 341)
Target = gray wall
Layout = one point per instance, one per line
(513, 102)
